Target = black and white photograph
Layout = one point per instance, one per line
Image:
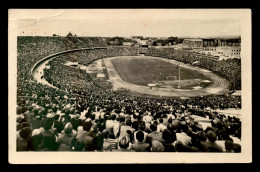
(129, 86)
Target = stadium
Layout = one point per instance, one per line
(81, 94)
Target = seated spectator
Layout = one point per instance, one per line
(79, 145)
(123, 145)
(210, 145)
(140, 146)
(110, 122)
(87, 131)
(36, 141)
(168, 139)
(64, 148)
(161, 127)
(125, 128)
(25, 137)
(183, 137)
(136, 121)
(110, 142)
(232, 147)
(141, 128)
(49, 142)
(237, 148)
(154, 135)
(66, 137)
(157, 146)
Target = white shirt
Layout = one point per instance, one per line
(147, 118)
(171, 116)
(109, 124)
(97, 115)
(161, 128)
(184, 138)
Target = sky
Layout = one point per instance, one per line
(127, 22)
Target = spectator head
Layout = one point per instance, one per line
(75, 123)
(179, 147)
(19, 118)
(167, 135)
(161, 120)
(153, 127)
(141, 126)
(122, 119)
(124, 142)
(208, 129)
(129, 132)
(140, 136)
(236, 148)
(56, 117)
(212, 137)
(184, 128)
(118, 119)
(113, 117)
(79, 145)
(36, 141)
(87, 125)
(48, 142)
(68, 128)
(25, 124)
(128, 122)
(48, 124)
(139, 118)
(228, 145)
(25, 132)
(111, 134)
(92, 117)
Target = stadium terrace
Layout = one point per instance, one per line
(81, 113)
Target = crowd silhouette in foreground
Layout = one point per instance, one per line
(79, 115)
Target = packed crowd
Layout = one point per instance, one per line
(81, 116)
(229, 69)
(69, 124)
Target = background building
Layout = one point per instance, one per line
(193, 43)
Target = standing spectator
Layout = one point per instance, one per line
(116, 127)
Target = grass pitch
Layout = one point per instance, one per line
(142, 71)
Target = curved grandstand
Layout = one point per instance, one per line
(119, 81)
(81, 106)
